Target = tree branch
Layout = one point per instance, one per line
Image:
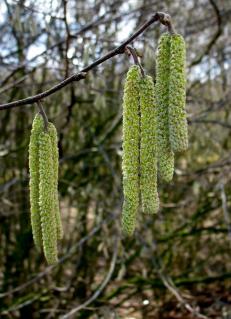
(158, 16)
(215, 37)
(100, 288)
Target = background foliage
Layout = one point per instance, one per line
(179, 258)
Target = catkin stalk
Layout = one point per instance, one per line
(37, 128)
(148, 155)
(46, 198)
(130, 160)
(178, 127)
(165, 154)
(55, 152)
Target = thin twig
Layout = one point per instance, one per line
(48, 269)
(35, 98)
(101, 287)
(215, 36)
(158, 16)
(133, 52)
(68, 37)
(44, 116)
(168, 23)
(168, 282)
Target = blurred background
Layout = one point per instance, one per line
(178, 263)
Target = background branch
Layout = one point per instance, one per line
(159, 16)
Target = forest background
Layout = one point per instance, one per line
(178, 263)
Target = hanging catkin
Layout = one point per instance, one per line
(55, 153)
(165, 154)
(46, 198)
(37, 128)
(177, 116)
(130, 162)
(148, 156)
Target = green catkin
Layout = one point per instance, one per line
(165, 154)
(37, 128)
(55, 152)
(46, 198)
(178, 127)
(131, 140)
(148, 156)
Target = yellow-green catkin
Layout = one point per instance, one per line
(54, 144)
(165, 153)
(37, 128)
(148, 147)
(178, 128)
(46, 198)
(131, 141)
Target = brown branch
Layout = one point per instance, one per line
(102, 286)
(168, 282)
(132, 51)
(168, 23)
(68, 37)
(48, 269)
(44, 116)
(158, 16)
(215, 37)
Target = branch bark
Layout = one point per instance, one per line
(158, 16)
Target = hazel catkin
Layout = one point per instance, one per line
(55, 153)
(178, 128)
(37, 128)
(46, 198)
(148, 155)
(165, 153)
(130, 159)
